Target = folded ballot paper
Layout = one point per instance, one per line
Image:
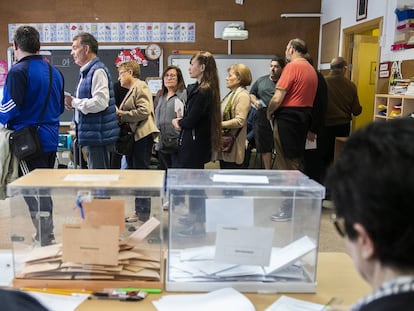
(199, 264)
(223, 299)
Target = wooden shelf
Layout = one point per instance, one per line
(385, 103)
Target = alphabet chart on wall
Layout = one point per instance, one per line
(114, 32)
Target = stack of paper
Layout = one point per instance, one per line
(132, 263)
(410, 89)
(199, 264)
(94, 252)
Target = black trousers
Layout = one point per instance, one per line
(41, 206)
(327, 143)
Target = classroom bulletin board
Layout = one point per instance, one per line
(61, 58)
(330, 40)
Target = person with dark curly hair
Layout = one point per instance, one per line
(372, 185)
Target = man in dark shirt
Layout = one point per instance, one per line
(343, 104)
(261, 93)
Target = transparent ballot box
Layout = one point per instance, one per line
(69, 228)
(226, 230)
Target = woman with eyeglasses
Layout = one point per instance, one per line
(169, 104)
(137, 110)
(372, 185)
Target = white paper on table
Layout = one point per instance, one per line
(229, 211)
(222, 299)
(285, 303)
(239, 245)
(55, 302)
(310, 144)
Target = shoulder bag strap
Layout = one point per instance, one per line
(238, 131)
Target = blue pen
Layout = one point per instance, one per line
(79, 204)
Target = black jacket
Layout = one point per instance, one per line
(194, 146)
(13, 300)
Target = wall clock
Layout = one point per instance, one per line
(153, 51)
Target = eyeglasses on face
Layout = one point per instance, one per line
(339, 223)
(122, 72)
(170, 76)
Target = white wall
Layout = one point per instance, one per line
(346, 10)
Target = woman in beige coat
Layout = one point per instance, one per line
(137, 109)
(235, 108)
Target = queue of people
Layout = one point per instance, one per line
(373, 209)
(183, 126)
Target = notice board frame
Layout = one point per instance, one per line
(61, 58)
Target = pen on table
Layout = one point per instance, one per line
(145, 290)
(121, 297)
(333, 300)
(57, 291)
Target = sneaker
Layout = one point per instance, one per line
(192, 232)
(186, 221)
(132, 229)
(328, 204)
(143, 218)
(51, 240)
(133, 218)
(134, 226)
(282, 216)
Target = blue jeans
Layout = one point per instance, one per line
(99, 157)
(141, 159)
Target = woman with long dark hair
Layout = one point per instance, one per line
(201, 124)
(200, 132)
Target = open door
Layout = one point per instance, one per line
(361, 49)
(364, 75)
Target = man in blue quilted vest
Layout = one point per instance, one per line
(94, 103)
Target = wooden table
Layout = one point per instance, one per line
(336, 277)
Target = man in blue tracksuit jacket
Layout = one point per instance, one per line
(24, 95)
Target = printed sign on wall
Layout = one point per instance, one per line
(113, 32)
